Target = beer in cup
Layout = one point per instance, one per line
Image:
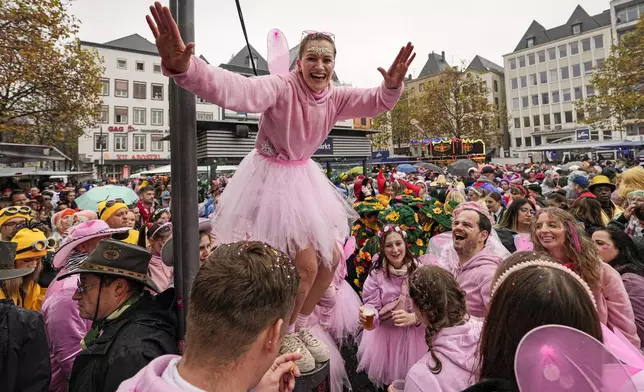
(369, 312)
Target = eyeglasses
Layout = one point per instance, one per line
(530, 211)
(39, 246)
(14, 210)
(314, 34)
(110, 203)
(81, 289)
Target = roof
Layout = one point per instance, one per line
(240, 59)
(14, 153)
(131, 43)
(482, 64)
(542, 35)
(435, 64)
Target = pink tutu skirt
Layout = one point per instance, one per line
(290, 205)
(387, 353)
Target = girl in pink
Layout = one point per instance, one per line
(397, 341)
(278, 194)
(452, 336)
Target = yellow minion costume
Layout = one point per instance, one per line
(30, 243)
(105, 212)
(9, 213)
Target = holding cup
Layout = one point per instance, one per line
(369, 312)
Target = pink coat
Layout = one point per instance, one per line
(65, 329)
(457, 349)
(294, 121)
(149, 378)
(614, 306)
(161, 274)
(475, 278)
(379, 290)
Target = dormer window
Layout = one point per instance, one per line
(576, 28)
(530, 42)
(248, 63)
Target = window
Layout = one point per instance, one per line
(528, 141)
(531, 59)
(247, 61)
(555, 97)
(513, 63)
(563, 51)
(208, 116)
(585, 44)
(543, 77)
(521, 61)
(139, 142)
(594, 135)
(526, 122)
(421, 87)
(536, 120)
(496, 101)
(104, 115)
(120, 115)
(546, 119)
(566, 95)
(140, 66)
(139, 90)
(120, 142)
(535, 100)
(576, 70)
(100, 142)
(157, 117)
(517, 123)
(599, 63)
(537, 140)
(565, 73)
(552, 53)
(524, 101)
(599, 41)
(568, 116)
(524, 81)
(496, 85)
(545, 99)
(588, 67)
(105, 87)
(578, 93)
(515, 103)
(542, 56)
(608, 135)
(557, 118)
(533, 79)
(139, 116)
(590, 91)
(157, 92)
(156, 68)
(576, 28)
(574, 48)
(121, 64)
(517, 142)
(156, 142)
(515, 84)
(530, 42)
(554, 75)
(120, 88)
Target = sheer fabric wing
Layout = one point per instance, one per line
(279, 59)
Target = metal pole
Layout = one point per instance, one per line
(101, 139)
(183, 138)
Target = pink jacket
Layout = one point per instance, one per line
(457, 349)
(475, 278)
(294, 123)
(161, 274)
(65, 329)
(379, 290)
(614, 306)
(149, 379)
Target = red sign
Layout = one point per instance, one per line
(138, 156)
(121, 129)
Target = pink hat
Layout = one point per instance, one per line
(85, 215)
(83, 232)
(476, 207)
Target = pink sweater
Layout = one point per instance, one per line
(294, 123)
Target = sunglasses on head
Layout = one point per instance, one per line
(39, 246)
(108, 204)
(14, 210)
(312, 34)
(161, 229)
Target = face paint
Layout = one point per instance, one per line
(321, 50)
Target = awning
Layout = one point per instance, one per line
(623, 144)
(562, 146)
(19, 153)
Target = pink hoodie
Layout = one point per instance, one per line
(150, 378)
(457, 349)
(475, 278)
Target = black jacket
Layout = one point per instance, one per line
(142, 333)
(24, 354)
(494, 385)
(507, 239)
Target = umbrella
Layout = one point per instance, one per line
(356, 170)
(90, 200)
(566, 166)
(429, 166)
(460, 168)
(406, 168)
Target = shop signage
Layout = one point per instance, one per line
(326, 148)
(380, 155)
(137, 156)
(130, 128)
(583, 134)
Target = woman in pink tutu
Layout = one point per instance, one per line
(397, 341)
(278, 194)
(452, 336)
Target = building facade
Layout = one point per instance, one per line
(548, 71)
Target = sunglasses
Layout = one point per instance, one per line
(13, 210)
(110, 203)
(39, 246)
(312, 34)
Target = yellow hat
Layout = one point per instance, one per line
(105, 213)
(5, 215)
(601, 180)
(31, 243)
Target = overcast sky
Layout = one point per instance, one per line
(368, 32)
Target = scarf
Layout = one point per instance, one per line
(402, 271)
(97, 327)
(75, 259)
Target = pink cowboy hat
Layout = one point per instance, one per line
(81, 233)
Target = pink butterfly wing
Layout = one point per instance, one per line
(279, 59)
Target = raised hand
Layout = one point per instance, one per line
(174, 54)
(398, 70)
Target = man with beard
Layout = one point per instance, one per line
(601, 187)
(632, 219)
(32, 247)
(471, 228)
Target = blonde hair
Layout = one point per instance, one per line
(456, 196)
(631, 180)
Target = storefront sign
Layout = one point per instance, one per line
(154, 130)
(137, 156)
(115, 128)
(583, 134)
(130, 128)
(380, 154)
(326, 148)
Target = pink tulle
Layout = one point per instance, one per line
(339, 377)
(387, 353)
(289, 206)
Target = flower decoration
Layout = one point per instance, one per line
(393, 216)
(419, 242)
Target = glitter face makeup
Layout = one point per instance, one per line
(321, 50)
